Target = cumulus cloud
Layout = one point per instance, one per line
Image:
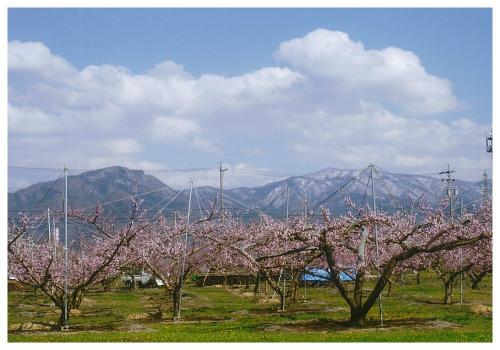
(390, 74)
(171, 128)
(372, 133)
(122, 146)
(329, 102)
(237, 174)
(169, 70)
(30, 120)
(37, 59)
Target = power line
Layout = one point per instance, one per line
(165, 170)
(340, 188)
(364, 195)
(391, 197)
(48, 191)
(12, 167)
(128, 197)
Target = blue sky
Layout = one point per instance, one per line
(454, 43)
(451, 44)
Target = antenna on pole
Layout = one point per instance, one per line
(381, 313)
(65, 325)
(450, 188)
(221, 191)
(489, 143)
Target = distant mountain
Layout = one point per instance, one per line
(391, 191)
(89, 188)
(321, 187)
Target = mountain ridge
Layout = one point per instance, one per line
(116, 182)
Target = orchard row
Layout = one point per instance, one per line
(361, 242)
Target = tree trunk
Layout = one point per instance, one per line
(256, 288)
(448, 292)
(282, 301)
(475, 282)
(75, 299)
(60, 323)
(358, 317)
(277, 289)
(106, 284)
(176, 303)
(476, 278)
(418, 277)
(389, 288)
(295, 289)
(402, 277)
(358, 288)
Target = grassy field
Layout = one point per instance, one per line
(213, 314)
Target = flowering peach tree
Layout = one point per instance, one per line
(40, 266)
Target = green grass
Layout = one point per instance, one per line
(213, 314)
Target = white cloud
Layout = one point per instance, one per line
(30, 121)
(391, 74)
(237, 175)
(332, 103)
(169, 70)
(96, 163)
(373, 133)
(122, 146)
(166, 128)
(37, 59)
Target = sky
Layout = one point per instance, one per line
(265, 91)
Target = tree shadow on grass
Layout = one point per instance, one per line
(329, 325)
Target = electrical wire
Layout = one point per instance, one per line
(340, 188)
(386, 187)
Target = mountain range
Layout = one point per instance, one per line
(111, 185)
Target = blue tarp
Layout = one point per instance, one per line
(320, 275)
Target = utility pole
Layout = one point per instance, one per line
(284, 290)
(381, 314)
(485, 193)
(221, 191)
(283, 271)
(449, 188)
(55, 236)
(178, 316)
(305, 282)
(451, 192)
(65, 326)
(461, 256)
(287, 201)
(48, 222)
(305, 287)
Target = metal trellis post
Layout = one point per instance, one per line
(376, 246)
(178, 316)
(65, 326)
